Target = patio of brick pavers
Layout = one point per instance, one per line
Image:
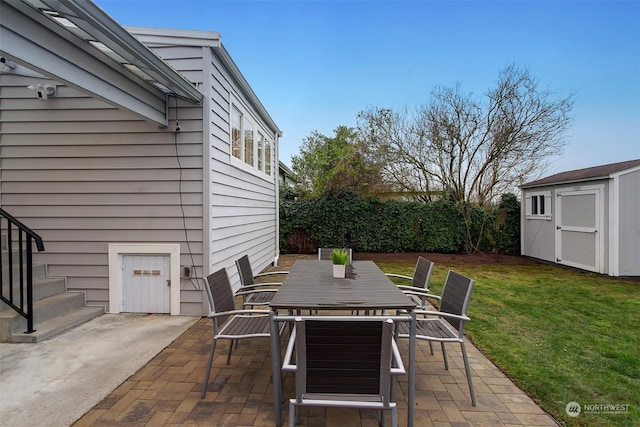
(166, 391)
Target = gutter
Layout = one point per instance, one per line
(87, 16)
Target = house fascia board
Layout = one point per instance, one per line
(93, 20)
(211, 39)
(228, 62)
(34, 45)
(173, 37)
(625, 172)
(31, 39)
(613, 175)
(569, 182)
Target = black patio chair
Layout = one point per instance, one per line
(255, 294)
(345, 363)
(419, 281)
(446, 324)
(229, 323)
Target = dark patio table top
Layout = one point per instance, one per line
(310, 285)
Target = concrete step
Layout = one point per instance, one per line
(39, 270)
(55, 310)
(57, 325)
(46, 310)
(42, 288)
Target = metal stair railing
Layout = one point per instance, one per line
(26, 237)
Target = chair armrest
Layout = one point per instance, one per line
(256, 291)
(399, 369)
(257, 287)
(287, 365)
(399, 276)
(235, 312)
(269, 273)
(443, 314)
(410, 290)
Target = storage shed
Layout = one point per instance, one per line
(141, 156)
(586, 218)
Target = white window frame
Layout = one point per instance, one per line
(240, 149)
(261, 140)
(536, 199)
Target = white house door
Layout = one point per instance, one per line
(146, 284)
(579, 226)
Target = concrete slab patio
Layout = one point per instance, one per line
(54, 382)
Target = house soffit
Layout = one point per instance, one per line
(84, 25)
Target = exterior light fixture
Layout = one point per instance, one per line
(43, 91)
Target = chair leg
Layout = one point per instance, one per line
(394, 416)
(206, 375)
(294, 413)
(431, 347)
(468, 371)
(230, 351)
(444, 356)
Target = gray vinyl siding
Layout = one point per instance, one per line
(83, 174)
(629, 224)
(243, 201)
(240, 204)
(538, 235)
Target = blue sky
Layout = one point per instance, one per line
(316, 64)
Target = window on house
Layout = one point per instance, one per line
(267, 157)
(236, 133)
(260, 151)
(249, 142)
(538, 205)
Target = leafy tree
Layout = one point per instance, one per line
(472, 149)
(339, 163)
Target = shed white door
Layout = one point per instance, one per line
(579, 228)
(146, 285)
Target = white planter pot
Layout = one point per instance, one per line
(339, 270)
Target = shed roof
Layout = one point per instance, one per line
(586, 174)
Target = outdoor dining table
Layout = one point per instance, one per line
(310, 286)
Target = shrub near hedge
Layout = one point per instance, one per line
(371, 225)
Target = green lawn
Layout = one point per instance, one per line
(561, 335)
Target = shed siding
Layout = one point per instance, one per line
(243, 201)
(629, 251)
(538, 235)
(83, 174)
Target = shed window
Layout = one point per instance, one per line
(249, 142)
(538, 205)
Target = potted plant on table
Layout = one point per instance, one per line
(340, 259)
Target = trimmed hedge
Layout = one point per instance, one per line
(371, 225)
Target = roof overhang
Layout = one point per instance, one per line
(76, 42)
(595, 173)
(212, 40)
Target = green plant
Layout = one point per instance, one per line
(372, 225)
(340, 257)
